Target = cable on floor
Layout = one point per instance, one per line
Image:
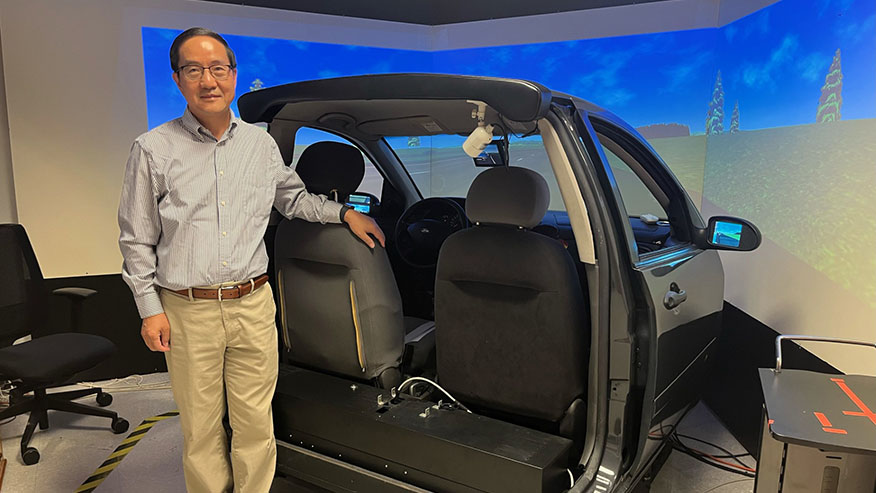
(728, 483)
(131, 383)
(5, 400)
(709, 459)
(727, 453)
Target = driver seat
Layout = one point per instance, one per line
(340, 308)
(511, 321)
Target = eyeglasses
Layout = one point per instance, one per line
(196, 72)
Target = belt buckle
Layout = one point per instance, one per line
(219, 291)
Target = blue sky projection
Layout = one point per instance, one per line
(773, 62)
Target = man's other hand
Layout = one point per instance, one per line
(156, 332)
(363, 226)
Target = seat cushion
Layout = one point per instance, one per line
(54, 357)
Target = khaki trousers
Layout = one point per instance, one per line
(224, 351)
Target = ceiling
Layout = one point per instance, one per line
(434, 13)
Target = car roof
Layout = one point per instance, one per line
(515, 100)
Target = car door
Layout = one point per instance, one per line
(678, 286)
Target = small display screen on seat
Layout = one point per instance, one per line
(361, 203)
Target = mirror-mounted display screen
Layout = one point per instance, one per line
(727, 234)
(493, 155)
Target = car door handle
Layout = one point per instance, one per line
(674, 297)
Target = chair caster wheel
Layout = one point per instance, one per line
(30, 456)
(120, 425)
(104, 399)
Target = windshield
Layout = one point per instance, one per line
(440, 168)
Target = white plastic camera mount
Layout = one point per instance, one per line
(478, 112)
(482, 135)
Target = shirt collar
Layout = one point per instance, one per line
(190, 123)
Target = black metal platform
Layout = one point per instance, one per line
(828, 412)
(348, 435)
(818, 433)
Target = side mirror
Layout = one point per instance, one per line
(729, 233)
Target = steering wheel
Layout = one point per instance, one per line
(423, 227)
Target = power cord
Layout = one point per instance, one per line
(5, 394)
(741, 468)
(713, 460)
(5, 400)
(131, 383)
(421, 379)
(728, 454)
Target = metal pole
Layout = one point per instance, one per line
(812, 339)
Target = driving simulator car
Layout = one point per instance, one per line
(544, 310)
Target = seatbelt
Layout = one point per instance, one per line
(421, 331)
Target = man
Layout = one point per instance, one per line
(195, 204)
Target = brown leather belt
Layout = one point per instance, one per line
(226, 293)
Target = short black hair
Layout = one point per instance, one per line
(191, 33)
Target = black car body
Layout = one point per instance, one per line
(651, 286)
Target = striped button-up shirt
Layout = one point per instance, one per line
(194, 209)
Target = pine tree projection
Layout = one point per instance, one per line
(831, 101)
(256, 85)
(734, 119)
(715, 116)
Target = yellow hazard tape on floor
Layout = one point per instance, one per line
(121, 451)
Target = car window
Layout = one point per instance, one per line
(372, 182)
(648, 203)
(440, 168)
(638, 200)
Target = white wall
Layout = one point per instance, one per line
(76, 99)
(7, 189)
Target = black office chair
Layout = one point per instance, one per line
(42, 362)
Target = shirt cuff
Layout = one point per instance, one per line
(149, 305)
(332, 212)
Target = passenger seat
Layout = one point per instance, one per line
(339, 305)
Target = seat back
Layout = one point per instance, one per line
(511, 319)
(340, 307)
(22, 291)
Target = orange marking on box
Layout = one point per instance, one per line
(836, 430)
(865, 411)
(823, 419)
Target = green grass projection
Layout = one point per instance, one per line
(810, 189)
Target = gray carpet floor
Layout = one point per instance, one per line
(74, 446)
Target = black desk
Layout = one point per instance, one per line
(819, 433)
(834, 412)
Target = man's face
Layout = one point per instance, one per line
(206, 97)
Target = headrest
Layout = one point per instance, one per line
(508, 195)
(328, 166)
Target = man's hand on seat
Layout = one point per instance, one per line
(156, 332)
(363, 226)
